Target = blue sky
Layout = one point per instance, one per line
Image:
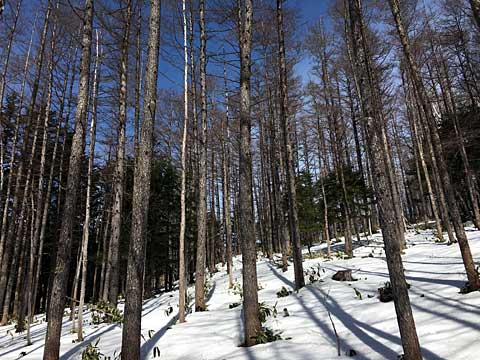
(310, 10)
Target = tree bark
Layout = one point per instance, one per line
(289, 168)
(60, 277)
(202, 181)
(91, 158)
(472, 275)
(112, 277)
(141, 193)
(182, 288)
(247, 223)
(379, 157)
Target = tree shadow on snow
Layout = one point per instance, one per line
(358, 328)
(73, 352)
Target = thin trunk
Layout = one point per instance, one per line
(3, 79)
(5, 211)
(472, 275)
(288, 158)
(138, 79)
(118, 184)
(202, 183)
(6, 237)
(86, 224)
(181, 243)
(226, 182)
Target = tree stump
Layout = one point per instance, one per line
(343, 275)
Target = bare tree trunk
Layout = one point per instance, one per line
(202, 184)
(226, 182)
(290, 174)
(36, 274)
(418, 145)
(34, 241)
(384, 192)
(60, 277)
(86, 224)
(6, 237)
(141, 194)
(3, 79)
(182, 288)
(138, 80)
(5, 209)
(247, 223)
(113, 259)
(472, 275)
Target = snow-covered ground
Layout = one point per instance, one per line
(448, 323)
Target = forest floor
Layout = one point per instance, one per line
(447, 322)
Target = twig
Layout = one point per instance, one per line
(333, 324)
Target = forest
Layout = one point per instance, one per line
(239, 179)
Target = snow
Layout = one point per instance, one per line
(447, 322)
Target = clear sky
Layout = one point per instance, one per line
(310, 10)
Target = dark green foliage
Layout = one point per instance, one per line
(314, 273)
(92, 352)
(267, 335)
(283, 292)
(266, 311)
(105, 313)
(358, 294)
(308, 212)
(357, 190)
(311, 204)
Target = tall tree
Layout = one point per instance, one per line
(472, 275)
(247, 222)
(62, 266)
(86, 223)
(183, 220)
(202, 175)
(141, 195)
(288, 156)
(112, 274)
(379, 157)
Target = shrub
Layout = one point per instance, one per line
(103, 312)
(313, 273)
(92, 352)
(237, 289)
(267, 311)
(266, 335)
(283, 292)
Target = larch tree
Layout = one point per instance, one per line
(202, 175)
(141, 195)
(113, 271)
(247, 222)
(91, 157)
(288, 155)
(472, 274)
(377, 147)
(181, 242)
(62, 266)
